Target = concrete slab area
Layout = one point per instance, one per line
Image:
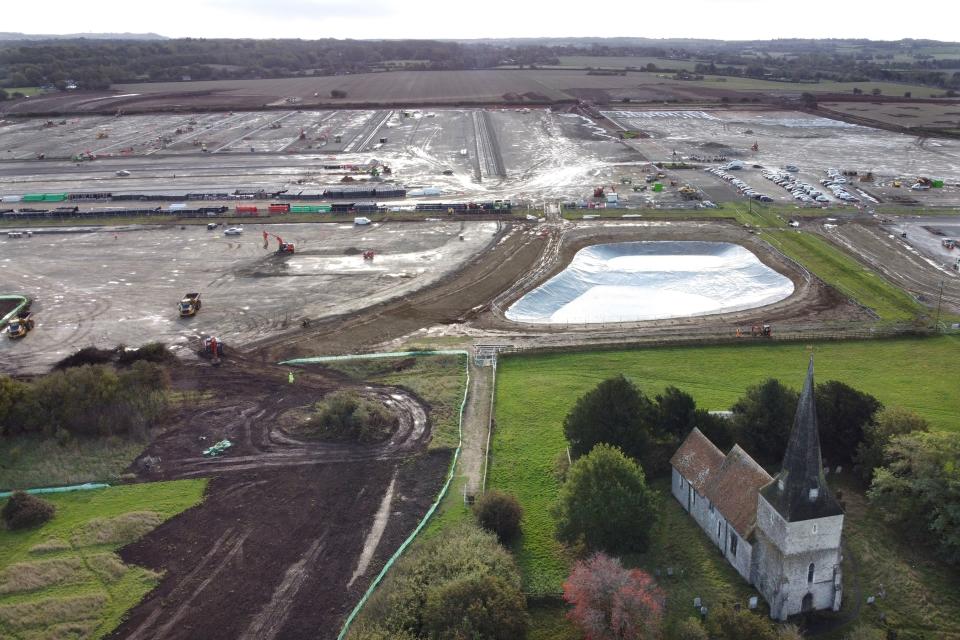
(103, 287)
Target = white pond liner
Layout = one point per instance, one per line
(653, 280)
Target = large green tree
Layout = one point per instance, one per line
(606, 504)
(763, 417)
(615, 412)
(919, 488)
(890, 423)
(462, 584)
(843, 413)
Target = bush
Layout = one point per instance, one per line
(606, 504)
(348, 416)
(613, 603)
(23, 511)
(689, 629)
(500, 513)
(450, 568)
(87, 355)
(725, 623)
(483, 606)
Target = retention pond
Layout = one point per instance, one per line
(631, 281)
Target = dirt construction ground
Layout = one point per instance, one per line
(106, 287)
(291, 532)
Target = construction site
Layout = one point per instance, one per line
(233, 272)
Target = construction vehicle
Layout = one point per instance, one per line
(20, 326)
(948, 243)
(368, 254)
(101, 135)
(211, 347)
(189, 305)
(897, 184)
(761, 331)
(282, 248)
(598, 192)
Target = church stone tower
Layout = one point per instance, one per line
(796, 565)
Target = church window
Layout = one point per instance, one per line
(733, 545)
(810, 573)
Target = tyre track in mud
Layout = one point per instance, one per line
(285, 520)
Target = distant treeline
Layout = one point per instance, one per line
(96, 64)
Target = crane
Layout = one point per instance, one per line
(283, 247)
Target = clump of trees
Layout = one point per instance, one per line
(85, 401)
(24, 511)
(611, 602)
(919, 488)
(499, 513)
(463, 584)
(605, 504)
(618, 413)
(348, 416)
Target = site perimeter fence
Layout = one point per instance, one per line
(728, 336)
(450, 472)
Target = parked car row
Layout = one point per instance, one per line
(741, 186)
(802, 191)
(835, 181)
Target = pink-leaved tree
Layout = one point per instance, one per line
(613, 603)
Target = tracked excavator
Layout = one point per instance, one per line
(282, 248)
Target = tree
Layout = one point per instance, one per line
(676, 412)
(876, 91)
(611, 602)
(890, 422)
(919, 489)
(615, 412)
(907, 94)
(606, 503)
(500, 513)
(725, 623)
(446, 568)
(842, 415)
(763, 417)
(857, 91)
(23, 511)
(482, 607)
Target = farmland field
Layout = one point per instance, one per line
(937, 116)
(64, 579)
(621, 62)
(535, 392)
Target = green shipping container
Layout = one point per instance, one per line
(54, 197)
(657, 186)
(33, 197)
(309, 208)
(937, 184)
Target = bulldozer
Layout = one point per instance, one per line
(189, 305)
(20, 326)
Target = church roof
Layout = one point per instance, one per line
(800, 490)
(733, 490)
(697, 460)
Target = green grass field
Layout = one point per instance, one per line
(754, 84)
(846, 274)
(64, 579)
(30, 462)
(535, 392)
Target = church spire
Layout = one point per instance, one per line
(799, 491)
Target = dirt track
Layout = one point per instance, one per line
(274, 550)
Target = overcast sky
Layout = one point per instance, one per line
(363, 19)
